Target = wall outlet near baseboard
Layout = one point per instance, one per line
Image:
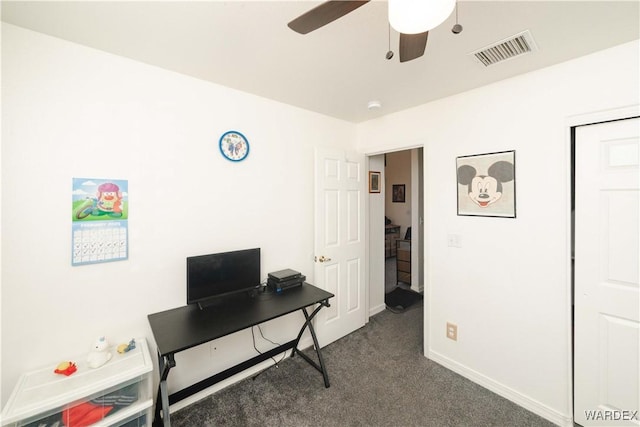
(452, 331)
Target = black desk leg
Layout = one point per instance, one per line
(162, 400)
(307, 324)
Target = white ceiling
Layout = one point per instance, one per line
(337, 69)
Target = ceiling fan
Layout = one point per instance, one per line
(412, 45)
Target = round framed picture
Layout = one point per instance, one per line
(234, 146)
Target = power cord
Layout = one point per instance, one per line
(253, 338)
(267, 339)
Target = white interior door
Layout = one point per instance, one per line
(606, 354)
(340, 242)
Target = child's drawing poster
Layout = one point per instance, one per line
(100, 209)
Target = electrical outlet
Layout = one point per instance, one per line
(452, 331)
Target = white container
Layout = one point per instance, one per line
(119, 393)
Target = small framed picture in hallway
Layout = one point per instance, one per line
(398, 193)
(374, 182)
(487, 184)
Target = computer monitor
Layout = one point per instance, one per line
(215, 276)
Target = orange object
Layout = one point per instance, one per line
(66, 368)
(84, 414)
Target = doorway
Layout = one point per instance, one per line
(403, 220)
(396, 222)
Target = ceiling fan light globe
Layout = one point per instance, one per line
(418, 16)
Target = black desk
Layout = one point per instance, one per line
(185, 327)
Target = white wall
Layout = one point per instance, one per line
(376, 254)
(417, 219)
(69, 111)
(507, 288)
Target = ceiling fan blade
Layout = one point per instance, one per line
(412, 46)
(323, 14)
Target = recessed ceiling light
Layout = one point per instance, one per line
(374, 105)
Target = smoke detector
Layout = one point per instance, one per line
(374, 105)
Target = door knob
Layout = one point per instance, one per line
(322, 259)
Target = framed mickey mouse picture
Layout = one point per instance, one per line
(487, 184)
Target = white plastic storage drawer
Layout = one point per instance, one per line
(138, 420)
(111, 395)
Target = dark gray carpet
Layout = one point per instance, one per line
(379, 377)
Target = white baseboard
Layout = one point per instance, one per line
(304, 343)
(377, 309)
(516, 397)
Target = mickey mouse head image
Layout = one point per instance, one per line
(485, 190)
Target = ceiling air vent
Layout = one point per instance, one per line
(511, 47)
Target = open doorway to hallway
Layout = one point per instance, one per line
(397, 219)
(398, 214)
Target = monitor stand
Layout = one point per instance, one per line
(204, 305)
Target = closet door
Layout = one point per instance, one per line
(607, 298)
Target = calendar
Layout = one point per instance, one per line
(99, 242)
(99, 221)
